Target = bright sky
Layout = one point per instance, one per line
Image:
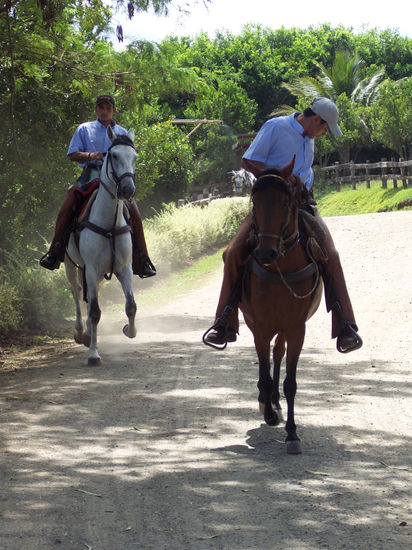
(232, 15)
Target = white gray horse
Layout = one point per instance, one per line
(105, 244)
(242, 181)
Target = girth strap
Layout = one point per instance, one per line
(292, 277)
(109, 235)
(104, 232)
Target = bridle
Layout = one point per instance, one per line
(286, 242)
(119, 140)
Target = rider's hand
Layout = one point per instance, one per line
(96, 155)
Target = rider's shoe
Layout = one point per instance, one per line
(219, 337)
(142, 266)
(50, 261)
(348, 339)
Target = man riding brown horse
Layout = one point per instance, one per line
(278, 141)
(88, 146)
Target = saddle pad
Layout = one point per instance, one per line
(84, 214)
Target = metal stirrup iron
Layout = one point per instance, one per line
(223, 321)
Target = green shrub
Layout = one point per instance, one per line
(10, 308)
(46, 298)
(176, 236)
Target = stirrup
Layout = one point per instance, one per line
(223, 324)
(352, 332)
(144, 267)
(45, 261)
(216, 326)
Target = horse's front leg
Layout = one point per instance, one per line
(265, 382)
(125, 278)
(93, 319)
(74, 276)
(278, 354)
(295, 341)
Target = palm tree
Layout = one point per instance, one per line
(344, 76)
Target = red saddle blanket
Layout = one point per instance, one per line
(83, 195)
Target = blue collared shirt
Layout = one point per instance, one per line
(278, 140)
(90, 137)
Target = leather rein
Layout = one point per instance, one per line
(286, 244)
(112, 233)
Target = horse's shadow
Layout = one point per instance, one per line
(264, 439)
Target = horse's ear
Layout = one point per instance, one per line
(130, 134)
(110, 134)
(288, 169)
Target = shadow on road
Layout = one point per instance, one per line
(163, 447)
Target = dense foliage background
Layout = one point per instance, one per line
(56, 57)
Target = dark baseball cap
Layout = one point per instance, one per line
(105, 98)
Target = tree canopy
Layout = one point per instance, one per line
(57, 55)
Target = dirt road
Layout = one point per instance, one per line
(163, 446)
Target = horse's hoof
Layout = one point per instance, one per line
(78, 338)
(279, 414)
(94, 361)
(126, 332)
(293, 447)
(273, 419)
(86, 340)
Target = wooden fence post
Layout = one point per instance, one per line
(352, 174)
(367, 176)
(384, 177)
(337, 183)
(403, 174)
(395, 181)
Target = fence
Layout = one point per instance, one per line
(203, 195)
(349, 172)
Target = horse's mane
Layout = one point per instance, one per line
(270, 176)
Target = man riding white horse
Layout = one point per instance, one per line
(88, 146)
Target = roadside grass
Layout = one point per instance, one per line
(362, 200)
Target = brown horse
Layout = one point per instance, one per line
(282, 290)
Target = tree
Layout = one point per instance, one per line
(391, 117)
(344, 76)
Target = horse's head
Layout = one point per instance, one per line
(242, 181)
(120, 165)
(275, 198)
(237, 181)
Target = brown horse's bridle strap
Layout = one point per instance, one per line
(293, 239)
(286, 244)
